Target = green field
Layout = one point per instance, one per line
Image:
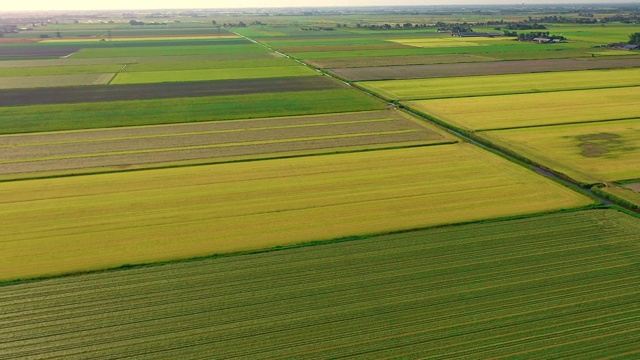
(522, 110)
(502, 84)
(39, 118)
(54, 226)
(133, 51)
(25, 82)
(559, 286)
(195, 64)
(59, 70)
(212, 74)
(593, 152)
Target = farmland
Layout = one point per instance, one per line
(258, 205)
(112, 93)
(178, 110)
(564, 285)
(137, 147)
(218, 184)
(449, 87)
(497, 112)
(25, 82)
(592, 152)
(212, 74)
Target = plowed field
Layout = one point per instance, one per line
(68, 95)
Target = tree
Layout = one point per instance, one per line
(213, 22)
(634, 38)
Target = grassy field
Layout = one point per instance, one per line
(59, 70)
(559, 286)
(30, 82)
(502, 84)
(396, 61)
(48, 226)
(212, 74)
(106, 150)
(134, 51)
(630, 193)
(524, 50)
(190, 64)
(592, 152)
(510, 111)
(38, 118)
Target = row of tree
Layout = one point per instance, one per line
(634, 39)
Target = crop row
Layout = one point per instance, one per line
(209, 142)
(530, 291)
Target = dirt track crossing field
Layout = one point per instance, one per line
(484, 68)
(68, 95)
(135, 147)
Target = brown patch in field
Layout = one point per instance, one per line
(598, 145)
(484, 68)
(123, 148)
(633, 186)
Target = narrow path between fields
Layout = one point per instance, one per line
(548, 173)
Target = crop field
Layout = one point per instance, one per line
(522, 110)
(38, 118)
(190, 64)
(68, 95)
(44, 224)
(525, 50)
(591, 152)
(451, 41)
(133, 51)
(139, 147)
(26, 82)
(59, 70)
(384, 61)
(449, 87)
(559, 286)
(472, 67)
(212, 74)
(191, 188)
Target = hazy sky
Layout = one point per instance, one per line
(16, 5)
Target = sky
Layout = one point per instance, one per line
(35, 5)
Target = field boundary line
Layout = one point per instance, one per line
(117, 73)
(550, 125)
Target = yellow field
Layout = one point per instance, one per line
(502, 84)
(591, 152)
(446, 41)
(62, 225)
(507, 111)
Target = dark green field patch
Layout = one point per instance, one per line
(39, 118)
